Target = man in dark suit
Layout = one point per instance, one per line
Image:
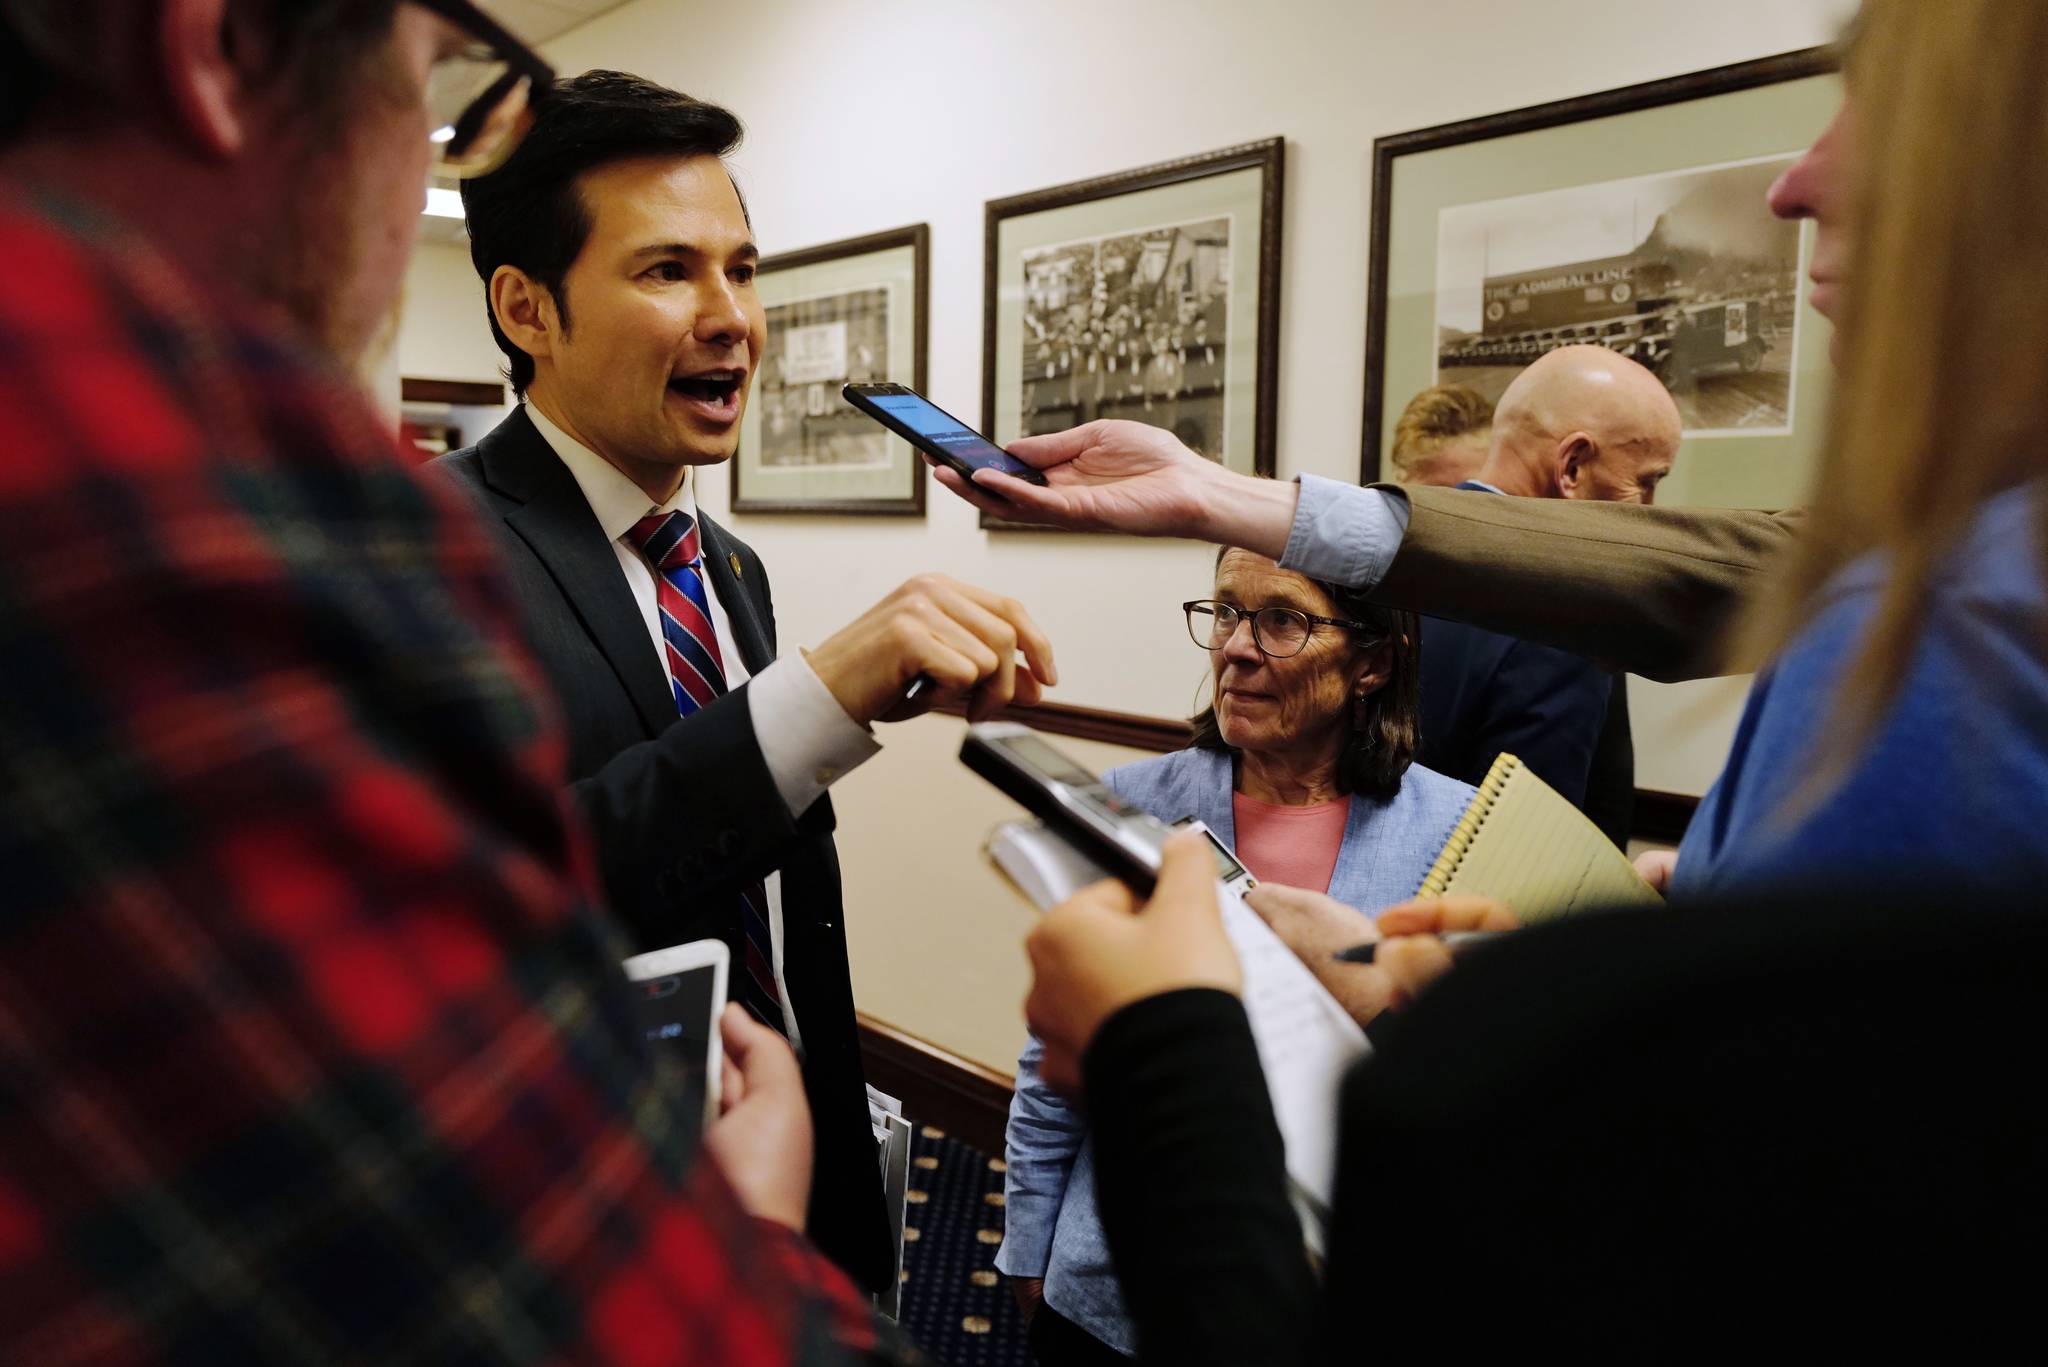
(618, 262)
(1581, 423)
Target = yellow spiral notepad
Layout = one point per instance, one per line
(1521, 843)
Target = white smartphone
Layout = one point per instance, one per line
(678, 993)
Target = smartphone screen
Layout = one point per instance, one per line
(1228, 869)
(679, 1013)
(944, 435)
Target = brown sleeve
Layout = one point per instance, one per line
(1649, 590)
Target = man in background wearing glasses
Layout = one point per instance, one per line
(312, 1046)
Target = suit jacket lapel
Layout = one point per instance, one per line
(747, 617)
(557, 523)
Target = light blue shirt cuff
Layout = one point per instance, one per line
(1343, 534)
(1026, 1250)
(807, 740)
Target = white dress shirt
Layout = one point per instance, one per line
(806, 738)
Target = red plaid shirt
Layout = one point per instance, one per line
(310, 1047)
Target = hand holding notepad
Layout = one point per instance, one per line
(1523, 844)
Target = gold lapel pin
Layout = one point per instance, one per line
(732, 558)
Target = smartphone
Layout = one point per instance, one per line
(1122, 839)
(931, 429)
(677, 994)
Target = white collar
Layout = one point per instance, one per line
(617, 501)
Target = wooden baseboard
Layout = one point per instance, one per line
(469, 393)
(938, 1087)
(1159, 734)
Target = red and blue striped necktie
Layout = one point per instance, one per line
(696, 670)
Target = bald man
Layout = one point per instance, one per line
(1581, 423)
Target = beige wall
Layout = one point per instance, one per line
(444, 336)
(935, 934)
(869, 116)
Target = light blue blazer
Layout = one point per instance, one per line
(1051, 1227)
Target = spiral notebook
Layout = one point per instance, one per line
(1522, 843)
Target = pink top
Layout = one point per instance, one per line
(1292, 845)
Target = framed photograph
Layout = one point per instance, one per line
(846, 312)
(1151, 294)
(1634, 220)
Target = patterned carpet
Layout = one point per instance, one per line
(954, 1303)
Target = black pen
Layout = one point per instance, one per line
(1453, 940)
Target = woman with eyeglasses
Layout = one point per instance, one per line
(1301, 763)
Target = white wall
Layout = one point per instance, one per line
(444, 336)
(869, 116)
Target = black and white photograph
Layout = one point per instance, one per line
(847, 312)
(1686, 271)
(1130, 325)
(1151, 294)
(816, 346)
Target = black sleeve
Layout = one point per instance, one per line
(1192, 1185)
(690, 812)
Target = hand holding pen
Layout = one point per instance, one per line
(1455, 941)
(1411, 950)
(1419, 940)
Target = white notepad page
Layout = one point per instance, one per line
(1306, 1043)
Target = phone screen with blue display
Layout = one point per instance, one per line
(936, 432)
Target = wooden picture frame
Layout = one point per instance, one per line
(861, 308)
(1525, 177)
(1159, 329)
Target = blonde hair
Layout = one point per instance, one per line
(1437, 415)
(1944, 335)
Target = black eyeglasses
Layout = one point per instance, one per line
(1277, 632)
(483, 99)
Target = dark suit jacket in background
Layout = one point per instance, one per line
(1563, 715)
(684, 811)
(1484, 693)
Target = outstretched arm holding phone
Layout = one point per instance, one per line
(1647, 590)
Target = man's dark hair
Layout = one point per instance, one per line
(530, 212)
(1386, 729)
(46, 45)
